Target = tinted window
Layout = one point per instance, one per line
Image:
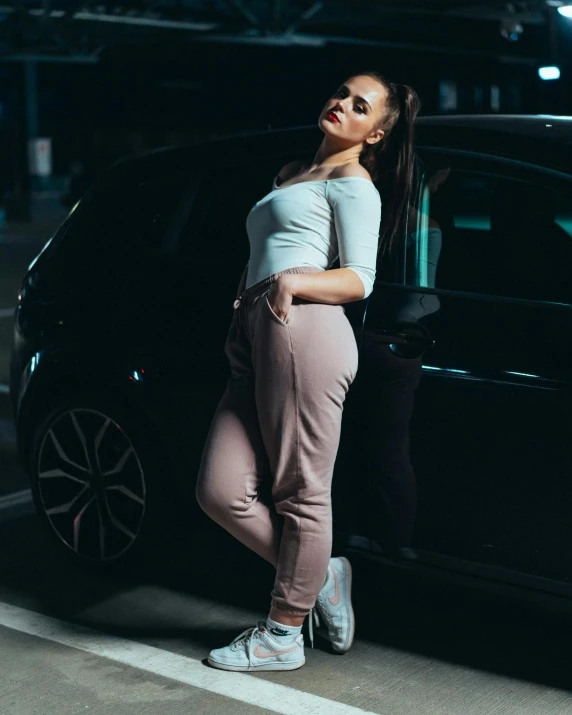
(491, 234)
(116, 225)
(216, 231)
(132, 217)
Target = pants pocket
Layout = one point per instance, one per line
(284, 323)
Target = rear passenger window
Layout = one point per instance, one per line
(118, 224)
(132, 218)
(215, 234)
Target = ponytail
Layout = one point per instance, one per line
(398, 169)
(391, 161)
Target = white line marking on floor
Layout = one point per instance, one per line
(238, 686)
(4, 389)
(7, 312)
(15, 499)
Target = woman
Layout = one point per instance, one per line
(293, 357)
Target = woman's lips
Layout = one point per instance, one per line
(332, 117)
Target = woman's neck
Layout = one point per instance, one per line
(329, 156)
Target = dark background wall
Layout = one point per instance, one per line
(159, 88)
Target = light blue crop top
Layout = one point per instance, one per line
(311, 223)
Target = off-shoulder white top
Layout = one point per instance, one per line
(311, 223)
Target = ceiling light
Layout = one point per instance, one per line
(552, 72)
(564, 7)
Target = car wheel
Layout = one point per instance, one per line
(95, 480)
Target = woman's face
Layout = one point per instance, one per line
(353, 113)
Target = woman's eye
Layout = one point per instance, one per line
(341, 93)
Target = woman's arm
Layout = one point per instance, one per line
(341, 285)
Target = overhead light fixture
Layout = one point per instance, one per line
(145, 21)
(551, 72)
(564, 7)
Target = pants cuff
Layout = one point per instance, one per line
(290, 611)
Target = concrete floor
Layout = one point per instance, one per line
(420, 648)
(69, 681)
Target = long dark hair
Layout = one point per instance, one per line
(391, 161)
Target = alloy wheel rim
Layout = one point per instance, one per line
(91, 484)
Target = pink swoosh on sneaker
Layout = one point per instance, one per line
(335, 599)
(260, 653)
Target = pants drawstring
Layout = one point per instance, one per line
(313, 616)
(237, 305)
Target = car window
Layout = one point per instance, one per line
(115, 225)
(139, 216)
(215, 233)
(492, 234)
(125, 217)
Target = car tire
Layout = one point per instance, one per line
(100, 484)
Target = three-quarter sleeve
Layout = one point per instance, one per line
(357, 218)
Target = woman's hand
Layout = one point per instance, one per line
(280, 296)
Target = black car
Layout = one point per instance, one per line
(118, 360)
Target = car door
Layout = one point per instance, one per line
(206, 261)
(487, 276)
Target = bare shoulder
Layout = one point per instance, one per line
(290, 170)
(352, 170)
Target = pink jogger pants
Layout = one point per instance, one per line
(279, 422)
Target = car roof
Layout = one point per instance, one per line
(538, 126)
(536, 139)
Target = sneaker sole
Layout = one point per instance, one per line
(294, 665)
(348, 600)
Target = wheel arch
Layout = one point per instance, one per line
(57, 376)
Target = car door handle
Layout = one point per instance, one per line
(407, 340)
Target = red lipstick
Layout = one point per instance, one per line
(333, 117)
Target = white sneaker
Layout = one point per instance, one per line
(255, 649)
(334, 604)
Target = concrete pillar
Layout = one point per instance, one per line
(18, 204)
(31, 98)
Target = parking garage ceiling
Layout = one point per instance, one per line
(64, 30)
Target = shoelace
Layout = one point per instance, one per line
(326, 617)
(247, 637)
(313, 616)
